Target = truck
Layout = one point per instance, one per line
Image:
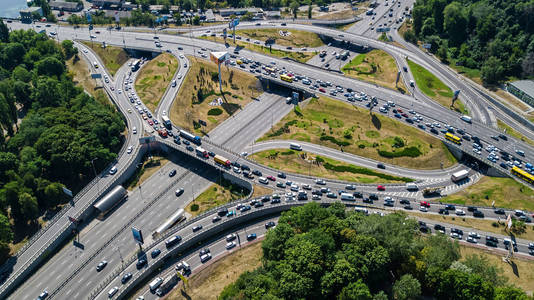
(166, 122)
(466, 118)
(432, 191)
(154, 284)
(222, 161)
(460, 175)
(175, 218)
(135, 65)
(347, 197)
(192, 138)
(201, 152)
(167, 284)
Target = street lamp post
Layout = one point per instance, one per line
(94, 170)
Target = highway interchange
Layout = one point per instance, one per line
(95, 239)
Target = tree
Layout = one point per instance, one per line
(310, 7)
(68, 48)
(196, 20)
(355, 291)
(4, 32)
(410, 37)
(50, 66)
(455, 23)
(28, 207)
(479, 264)
(407, 287)
(510, 293)
(492, 70)
(442, 52)
(528, 65)
(459, 285)
(294, 7)
(6, 234)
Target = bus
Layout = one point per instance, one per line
(167, 122)
(269, 69)
(221, 160)
(451, 137)
(295, 146)
(523, 174)
(286, 78)
(135, 65)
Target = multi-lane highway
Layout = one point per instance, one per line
(229, 135)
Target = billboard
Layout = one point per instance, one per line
(97, 75)
(218, 57)
(427, 46)
(137, 235)
(233, 23)
(89, 17)
(398, 77)
(295, 96)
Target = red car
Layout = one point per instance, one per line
(322, 90)
(271, 178)
(381, 188)
(424, 203)
(404, 115)
(399, 110)
(150, 122)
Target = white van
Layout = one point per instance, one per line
(295, 146)
(466, 118)
(155, 284)
(113, 291)
(134, 130)
(362, 210)
(410, 186)
(347, 197)
(263, 180)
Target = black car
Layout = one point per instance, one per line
(140, 263)
(256, 172)
(380, 166)
(186, 142)
(126, 277)
(492, 238)
(266, 199)
(373, 197)
(215, 219)
(450, 207)
(458, 231)
(404, 201)
(222, 212)
(439, 227)
(491, 243)
(434, 131)
(478, 214)
(424, 229)
(281, 175)
(211, 154)
(172, 173)
(408, 207)
(155, 253)
(197, 228)
(499, 211)
(443, 211)
(389, 203)
(189, 148)
(269, 224)
(277, 200)
(471, 208)
(258, 204)
(357, 195)
(367, 200)
(245, 167)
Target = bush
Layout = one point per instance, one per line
(358, 170)
(215, 112)
(332, 139)
(410, 152)
(194, 207)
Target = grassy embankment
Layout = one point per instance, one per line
(81, 76)
(148, 169)
(210, 282)
(434, 88)
(154, 78)
(376, 66)
(201, 86)
(324, 121)
(514, 133)
(296, 55)
(112, 57)
(506, 193)
(314, 165)
(296, 38)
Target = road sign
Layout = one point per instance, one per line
(218, 57)
(89, 18)
(233, 23)
(427, 46)
(455, 96)
(67, 191)
(137, 235)
(295, 96)
(97, 75)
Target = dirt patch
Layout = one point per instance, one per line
(324, 121)
(210, 282)
(295, 38)
(217, 194)
(200, 97)
(112, 57)
(154, 78)
(260, 190)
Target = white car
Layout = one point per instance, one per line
(129, 150)
(320, 181)
(244, 153)
(455, 235)
(113, 170)
(460, 212)
(134, 130)
(423, 209)
(474, 235)
(237, 170)
(84, 50)
(472, 240)
(179, 76)
(119, 91)
(230, 245)
(231, 237)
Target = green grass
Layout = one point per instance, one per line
(434, 88)
(217, 194)
(324, 121)
(112, 57)
(512, 132)
(307, 163)
(297, 38)
(506, 192)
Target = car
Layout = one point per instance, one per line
(204, 251)
(256, 172)
(251, 237)
(408, 207)
(450, 207)
(43, 295)
(478, 214)
(281, 175)
(271, 178)
(101, 265)
(197, 228)
(126, 277)
(439, 228)
(404, 201)
(129, 150)
(320, 182)
(459, 212)
(113, 170)
(179, 192)
(186, 142)
(140, 263)
(424, 203)
(172, 173)
(423, 209)
(380, 166)
(155, 253)
(189, 148)
(499, 211)
(230, 245)
(269, 224)
(380, 188)
(113, 291)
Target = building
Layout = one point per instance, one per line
(210, 17)
(107, 3)
(26, 15)
(523, 89)
(226, 12)
(129, 6)
(66, 6)
(272, 14)
(119, 13)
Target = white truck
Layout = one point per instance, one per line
(347, 197)
(410, 186)
(460, 175)
(154, 284)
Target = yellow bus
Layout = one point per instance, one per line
(269, 69)
(451, 137)
(523, 175)
(286, 78)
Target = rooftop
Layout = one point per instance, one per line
(527, 86)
